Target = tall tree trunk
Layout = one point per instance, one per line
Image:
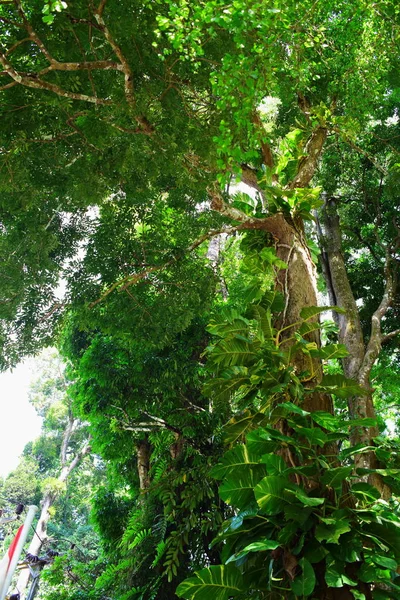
(358, 364)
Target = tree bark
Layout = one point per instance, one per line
(358, 364)
(143, 464)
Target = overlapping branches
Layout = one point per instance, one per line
(37, 79)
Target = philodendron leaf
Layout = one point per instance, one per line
(304, 583)
(311, 311)
(332, 532)
(314, 435)
(218, 582)
(334, 477)
(339, 385)
(274, 464)
(238, 458)
(270, 494)
(365, 491)
(254, 547)
(237, 489)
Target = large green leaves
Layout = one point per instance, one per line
(219, 583)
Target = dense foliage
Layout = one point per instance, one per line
(176, 182)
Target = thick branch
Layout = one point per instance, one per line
(265, 148)
(34, 82)
(67, 470)
(105, 65)
(66, 439)
(389, 336)
(309, 163)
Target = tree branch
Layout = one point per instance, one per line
(125, 282)
(309, 163)
(31, 32)
(129, 91)
(376, 338)
(34, 82)
(389, 336)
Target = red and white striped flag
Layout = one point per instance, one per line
(5, 563)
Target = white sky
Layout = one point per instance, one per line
(19, 423)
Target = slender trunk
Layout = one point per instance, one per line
(350, 334)
(143, 464)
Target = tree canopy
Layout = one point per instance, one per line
(186, 189)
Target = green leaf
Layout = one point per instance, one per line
(331, 533)
(217, 582)
(358, 595)
(339, 385)
(305, 499)
(365, 491)
(241, 424)
(386, 533)
(270, 494)
(304, 584)
(333, 573)
(366, 422)
(254, 547)
(314, 435)
(237, 458)
(274, 464)
(311, 311)
(290, 407)
(326, 420)
(260, 442)
(330, 351)
(237, 489)
(264, 320)
(384, 561)
(360, 448)
(334, 477)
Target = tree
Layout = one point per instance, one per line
(170, 121)
(55, 454)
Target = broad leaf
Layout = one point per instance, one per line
(315, 436)
(334, 477)
(217, 582)
(239, 425)
(304, 583)
(311, 311)
(365, 491)
(237, 458)
(332, 532)
(339, 385)
(237, 490)
(270, 494)
(274, 464)
(254, 547)
(326, 420)
(330, 351)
